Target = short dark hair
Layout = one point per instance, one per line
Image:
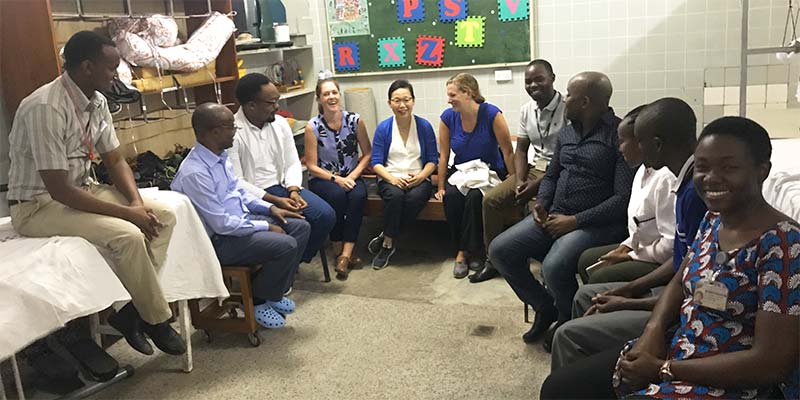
(401, 84)
(546, 64)
(249, 86)
(632, 114)
(671, 119)
(205, 118)
(84, 45)
(750, 133)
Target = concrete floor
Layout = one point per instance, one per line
(409, 331)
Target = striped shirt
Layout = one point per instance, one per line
(47, 135)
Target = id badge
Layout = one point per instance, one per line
(541, 164)
(713, 295)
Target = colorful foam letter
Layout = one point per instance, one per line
(430, 51)
(391, 52)
(469, 32)
(410, 11)
(452, 10)
(512, 10)
(346, 57)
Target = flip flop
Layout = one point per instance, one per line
(267, 317)
(284, 306)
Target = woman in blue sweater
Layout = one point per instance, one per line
(404, 156)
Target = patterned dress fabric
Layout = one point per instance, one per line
(337, 152)
(763, 275)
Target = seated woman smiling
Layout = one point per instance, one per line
(735, 303)
(404, 156)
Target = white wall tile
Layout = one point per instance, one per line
(714, 96)
(649, 48)
(777, 93)
(731, 95)
(756, 94)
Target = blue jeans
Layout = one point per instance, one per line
(510, 251)
(277, 253)
(349, 207)
(318, 213)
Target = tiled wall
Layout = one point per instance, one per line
(649, 48)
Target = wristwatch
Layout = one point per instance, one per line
(333, 178)
(665, 372)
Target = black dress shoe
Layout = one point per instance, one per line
(165, 338)
(541, 322)
(128, 322)
(547, 344)
(488, 272)
(55, 374)
(94, 359)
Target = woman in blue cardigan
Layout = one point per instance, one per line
(404, 156)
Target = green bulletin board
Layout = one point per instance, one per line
(435, 34)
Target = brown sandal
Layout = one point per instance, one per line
(355, 262)
(342, 263)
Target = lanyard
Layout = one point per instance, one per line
(549, 123)
(86, 137)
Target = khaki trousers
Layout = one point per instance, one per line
(499, 210)
(136, 260)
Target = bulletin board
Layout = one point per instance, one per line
(371, 37)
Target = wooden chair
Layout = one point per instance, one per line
(225, 317)
(324, 260)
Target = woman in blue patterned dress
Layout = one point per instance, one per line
(332, 142)
(735, 305)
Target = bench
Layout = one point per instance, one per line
(433, 210)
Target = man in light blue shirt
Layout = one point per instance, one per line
(244, 229)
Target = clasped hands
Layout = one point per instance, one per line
(556, 225)
(281, 214)
(345, 182)
(145, 219)
(408, 182)
(639, 367)
(293, 203)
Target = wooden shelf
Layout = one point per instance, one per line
(271, 50)
(298, 92)
(221, 79)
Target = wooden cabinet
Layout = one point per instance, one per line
(40, 28)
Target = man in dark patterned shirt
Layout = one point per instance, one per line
(581, 203)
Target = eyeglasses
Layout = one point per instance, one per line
(268, 102)
(397, 102)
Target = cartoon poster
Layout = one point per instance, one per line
(347, 17)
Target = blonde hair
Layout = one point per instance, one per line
(467, 84)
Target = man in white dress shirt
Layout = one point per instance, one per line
(264, 156)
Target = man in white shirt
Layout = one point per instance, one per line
(651, 220)
(264, 156)
(541, 119)
(58, 130)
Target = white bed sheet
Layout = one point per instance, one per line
(46, 282)
(782, 187)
